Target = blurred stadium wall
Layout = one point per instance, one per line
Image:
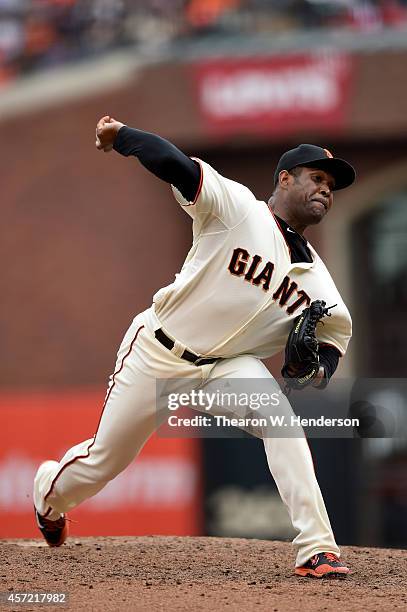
(87, 238)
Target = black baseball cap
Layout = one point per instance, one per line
(317, 157)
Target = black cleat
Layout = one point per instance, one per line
(54, 532)
(323, 565)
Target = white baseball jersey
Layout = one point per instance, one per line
(238, 291)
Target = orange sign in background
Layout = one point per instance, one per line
(274, 95)
(159, 493)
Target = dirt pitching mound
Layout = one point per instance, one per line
(171, 573)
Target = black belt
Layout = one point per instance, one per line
(187, 355)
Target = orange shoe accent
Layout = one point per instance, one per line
(323, 565)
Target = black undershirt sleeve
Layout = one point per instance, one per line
(329, 358)
(162, 158)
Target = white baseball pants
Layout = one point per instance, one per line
(130, 416)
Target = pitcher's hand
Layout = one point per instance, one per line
(106, 131)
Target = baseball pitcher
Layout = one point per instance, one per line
(251, 285)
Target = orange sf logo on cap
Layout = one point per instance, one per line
(328, 153)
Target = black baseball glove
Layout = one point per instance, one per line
(301, 351)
